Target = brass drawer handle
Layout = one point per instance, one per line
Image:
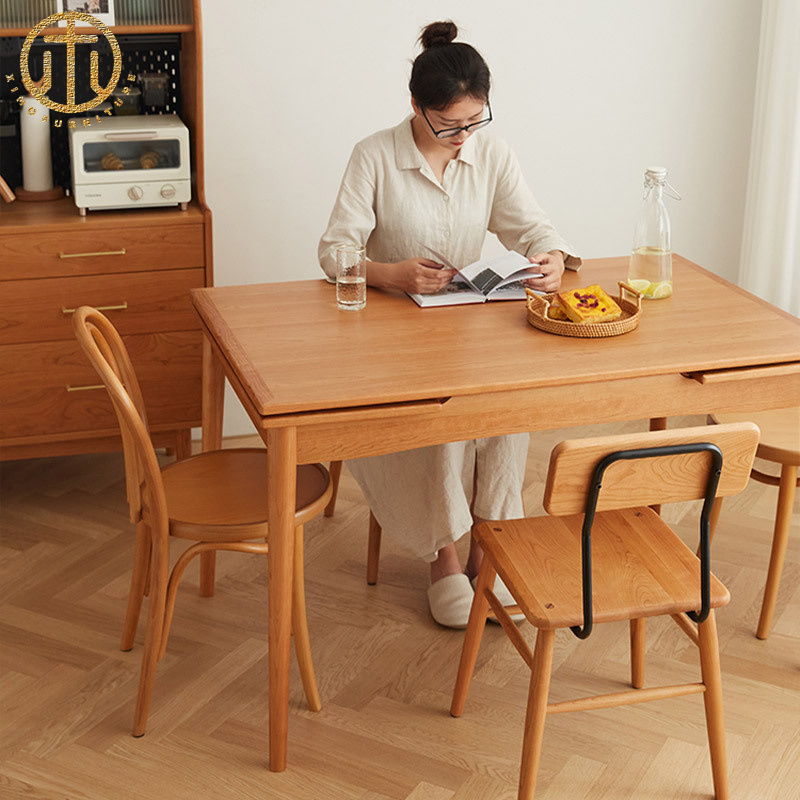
(84, 388)
(121, 307)
(101, 253)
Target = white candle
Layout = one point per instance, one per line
(37, 168)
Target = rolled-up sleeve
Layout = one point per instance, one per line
(518, 220)
(353, 217)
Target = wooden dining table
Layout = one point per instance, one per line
(321, 384)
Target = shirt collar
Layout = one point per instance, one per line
(408, 157)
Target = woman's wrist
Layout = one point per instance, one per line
(381, 275)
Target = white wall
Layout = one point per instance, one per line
(588, 93)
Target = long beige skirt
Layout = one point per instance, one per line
(422, 497)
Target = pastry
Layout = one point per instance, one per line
(591, 304)
(111, 161)
(149, 159)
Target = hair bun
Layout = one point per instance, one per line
(438, 33)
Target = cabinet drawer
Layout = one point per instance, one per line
(40, 310)
(101, 250)
(34, 378)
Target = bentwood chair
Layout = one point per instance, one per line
(218, 500)
(780, 443)
(604, 555)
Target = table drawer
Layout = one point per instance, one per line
(101, 250)
(139, 302)
(43, 385)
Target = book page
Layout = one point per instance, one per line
(457, 292)
(496, 278)
(488, 274)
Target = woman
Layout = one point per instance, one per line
(435, 180)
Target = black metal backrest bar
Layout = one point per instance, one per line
(705, 537)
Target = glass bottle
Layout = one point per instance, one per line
(650, 269)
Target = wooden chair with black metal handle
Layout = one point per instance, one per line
(603, 555)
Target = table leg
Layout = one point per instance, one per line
(213, 399)
(281, 489)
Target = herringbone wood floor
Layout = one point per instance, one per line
(385, 669)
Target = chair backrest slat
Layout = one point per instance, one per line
(107, 353)
(644, 482)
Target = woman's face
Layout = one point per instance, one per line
(461, 112)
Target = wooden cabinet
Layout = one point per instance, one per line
(138, 266)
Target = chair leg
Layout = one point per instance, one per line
(183, 444)
(172, 592)
(373, 550)
(536, 713)
(159, 565)
(197, 549)
(472, 638)
(658, 424)
(780, 540)
(302, 643)
(208, 564)
(712, 697)
(335, 470)
(638, 630)
(139, 578)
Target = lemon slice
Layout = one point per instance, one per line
(660, 290)
(640, 284)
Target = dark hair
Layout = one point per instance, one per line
(445, 70)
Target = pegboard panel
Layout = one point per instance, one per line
(140, 53)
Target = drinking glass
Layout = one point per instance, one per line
(351, 277)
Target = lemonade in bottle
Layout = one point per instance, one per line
(650, 270)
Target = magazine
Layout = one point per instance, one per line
(497, 278)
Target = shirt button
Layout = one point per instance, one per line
(447, 234)
(446, 199)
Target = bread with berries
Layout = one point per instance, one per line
(591, 304)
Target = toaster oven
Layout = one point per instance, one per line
(124, 162)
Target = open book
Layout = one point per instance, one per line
(495, 278)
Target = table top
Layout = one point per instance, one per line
(294, 351)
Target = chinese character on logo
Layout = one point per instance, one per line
(70, 39)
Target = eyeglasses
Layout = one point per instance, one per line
(447, 133)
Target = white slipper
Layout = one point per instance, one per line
(502, 593)
(450, 600)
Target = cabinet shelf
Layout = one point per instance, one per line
(62, 215)
(115, 29)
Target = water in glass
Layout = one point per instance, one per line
(351, 292)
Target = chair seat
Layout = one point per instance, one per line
(224, 492)
(636, 572)
(780, 432)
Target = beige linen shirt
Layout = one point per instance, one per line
(390, 201)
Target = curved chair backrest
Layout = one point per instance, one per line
(648, 481)
(106, 351)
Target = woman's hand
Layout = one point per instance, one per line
(417, 275)
(551, 265)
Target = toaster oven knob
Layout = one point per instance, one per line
(135, 193)
(168, 191)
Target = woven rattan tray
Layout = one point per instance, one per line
(538, 307)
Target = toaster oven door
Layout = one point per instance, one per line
(121, 157)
